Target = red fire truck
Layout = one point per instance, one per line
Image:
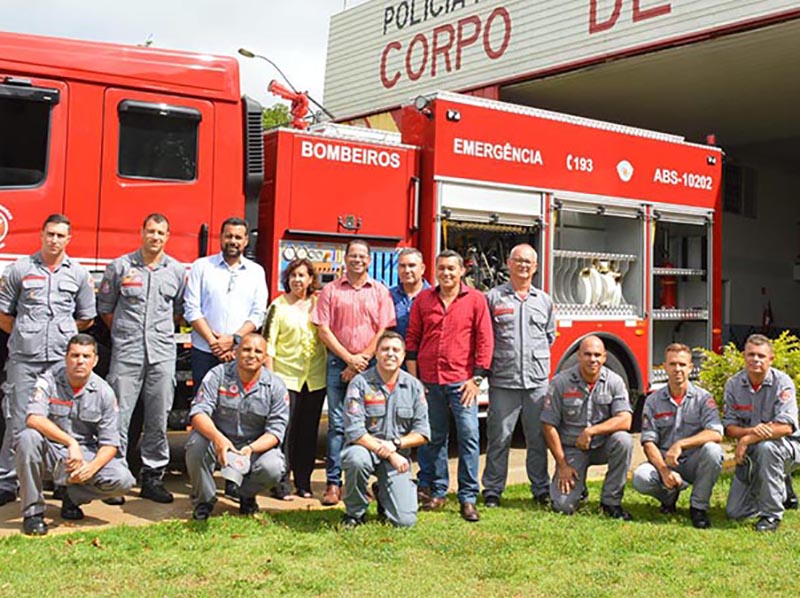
(625, 221)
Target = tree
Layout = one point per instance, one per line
(276, 116)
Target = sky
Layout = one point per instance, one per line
(291, 33)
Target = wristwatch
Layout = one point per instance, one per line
(478, 380)
(398, 444)
(237, 340)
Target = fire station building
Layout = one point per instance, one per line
(719, 71)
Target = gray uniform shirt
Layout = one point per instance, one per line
(664, 421)
(570, 405)
(386, 415)
(523, 334)
(45, 304)
(243, 415)
(89, 415)
(143, 302)
(775, 401)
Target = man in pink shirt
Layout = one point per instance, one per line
(351, 314)
(450, 344)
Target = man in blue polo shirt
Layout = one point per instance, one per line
(410, 271)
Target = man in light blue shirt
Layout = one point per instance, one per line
(410, 269)
(226, 298)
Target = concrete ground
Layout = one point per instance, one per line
(137, 511)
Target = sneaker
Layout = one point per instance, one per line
(699, 518)
(767, 524)
(491, 501)
(115, 501)
(248, 506)
(34, 526)
(231, 491)
(202, 511)
(69, 510)
(584, 495)
(153, 489)
(7, 496)
(616, 512)
(349, 522)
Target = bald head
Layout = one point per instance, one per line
(522, 263)
(591, 357)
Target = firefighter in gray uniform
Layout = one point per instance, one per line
(681, 435)
(760, 413)
(140, 296)
(385, 417)
(72, 432)
(241, 407)
(524, 330)
(45, 299)
(585, 420)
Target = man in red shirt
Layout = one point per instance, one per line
(450, 345)
(351, 314)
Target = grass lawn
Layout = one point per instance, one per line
(517, 550)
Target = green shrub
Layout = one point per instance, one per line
(717, 368)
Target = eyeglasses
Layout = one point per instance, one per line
(522, 262)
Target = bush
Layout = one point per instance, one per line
(717, 368)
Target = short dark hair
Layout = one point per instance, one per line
(294, 265)
(448, 253)
(357, 241)
(57, 219)
(155, 217)
(234, 221)
(83, 339)
(391, 334)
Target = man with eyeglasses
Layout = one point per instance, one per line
(226, 298)
(524, 330)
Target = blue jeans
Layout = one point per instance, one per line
(202, 361)
(432, 457)
(336, 390)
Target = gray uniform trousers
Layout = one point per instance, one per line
(505, 407)
(701, 468)
(156, 385)
(616, 451)
(35, 454)
(20, 381)
(266, 470)
(758, 486)
(397, 491)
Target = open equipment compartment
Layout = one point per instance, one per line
(598, 265)
(682, 287)
(483, 222)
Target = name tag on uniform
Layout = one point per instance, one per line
(376, 399)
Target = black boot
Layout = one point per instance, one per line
(153, 487)
(791, 497)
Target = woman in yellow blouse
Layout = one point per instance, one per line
(295, 353)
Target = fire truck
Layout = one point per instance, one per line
(626, 221)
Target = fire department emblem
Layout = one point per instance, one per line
(5, 219)
(625, 171)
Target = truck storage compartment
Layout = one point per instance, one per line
(485, 248)
(598, 265)
(681, 286)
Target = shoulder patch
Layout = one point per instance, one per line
(711, 402)
(786, 395)
(353, 407)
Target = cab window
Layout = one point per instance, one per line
(25, 126)
(157, 141)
